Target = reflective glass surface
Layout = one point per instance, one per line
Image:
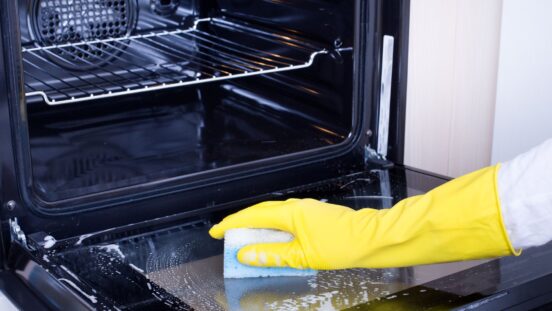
(180, 266)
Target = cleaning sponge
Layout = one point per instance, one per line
(237, 238)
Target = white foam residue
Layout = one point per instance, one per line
(69, 272)
(157, 296)
(82, 238)
(327, 306)
(365, 296)
(322, 302)
(45, 258)
(136, 268)
(113, 248)
(92, 298)
(49, 241)
(312, 283)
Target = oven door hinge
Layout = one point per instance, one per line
(17, 234)
(373, 158)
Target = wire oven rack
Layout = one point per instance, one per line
(161, 60)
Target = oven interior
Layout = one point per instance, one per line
(126, 93)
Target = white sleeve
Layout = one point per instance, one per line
(525, 192)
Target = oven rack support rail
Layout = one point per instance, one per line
(162, 60)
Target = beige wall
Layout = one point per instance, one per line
(454, 48)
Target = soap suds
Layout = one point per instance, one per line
(82, 238)
(69, 272)
(136, 268)
(92, 298)
(157, 296)
(49, 241)
(321, 301)
(113, 248)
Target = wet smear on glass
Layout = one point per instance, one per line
(201, 284)
(108, 271)
(180, 265)
(198, 283)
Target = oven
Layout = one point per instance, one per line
(129, 127)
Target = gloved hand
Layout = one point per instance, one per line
(461, 220)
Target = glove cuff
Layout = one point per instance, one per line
(501, 215)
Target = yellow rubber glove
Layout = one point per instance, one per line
(461, 220)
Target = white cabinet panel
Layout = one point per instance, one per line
(524, 94)
(452, 84)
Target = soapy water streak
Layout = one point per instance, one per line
(110, 262)
(195, 284)
(201, 285)
(175, 267)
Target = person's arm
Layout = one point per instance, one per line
(460, 220)
(525, 191)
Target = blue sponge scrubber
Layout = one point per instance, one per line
(235, 239)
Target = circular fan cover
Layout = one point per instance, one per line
(57, 22)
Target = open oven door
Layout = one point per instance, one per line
(173, 264)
